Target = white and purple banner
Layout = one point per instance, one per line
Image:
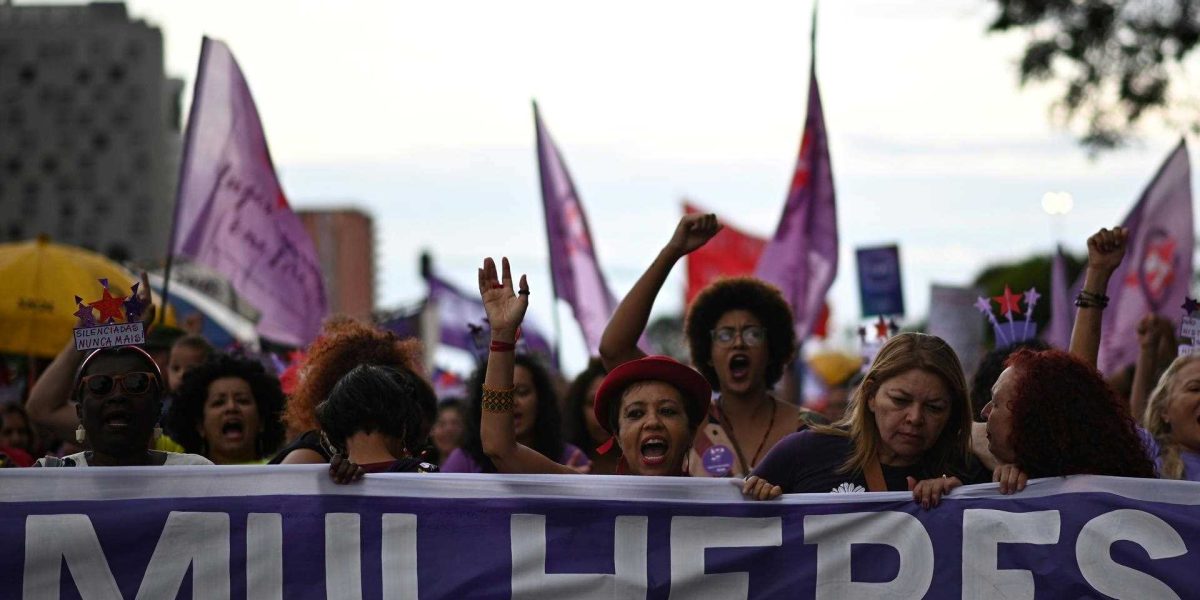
(287, 532)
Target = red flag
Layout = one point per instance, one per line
(730, 252)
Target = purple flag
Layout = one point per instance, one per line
(802, 258)
(1156, 274)
(231, 214)
(462, 321)
(1058, 330)
(573, 265)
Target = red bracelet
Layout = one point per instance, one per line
(498, 346)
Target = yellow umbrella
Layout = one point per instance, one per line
(38, 284)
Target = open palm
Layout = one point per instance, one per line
(505, 308)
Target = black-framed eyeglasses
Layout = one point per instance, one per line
(753, 335)
(134, 383)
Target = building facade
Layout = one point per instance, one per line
(345, 242)
(89, 130)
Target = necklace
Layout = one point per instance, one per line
(763, 442)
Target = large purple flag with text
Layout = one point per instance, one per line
(573, 265)
(1156, 274)
(231, 214)
(1058, 330)
(802, 258)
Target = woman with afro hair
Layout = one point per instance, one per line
(227, 410)
(741, 338)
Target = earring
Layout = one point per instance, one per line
(80, 435)
(157, 432)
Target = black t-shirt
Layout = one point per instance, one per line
(309, 440)
(811, 462)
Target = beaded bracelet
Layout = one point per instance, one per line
(497, 400)
(1090, 300)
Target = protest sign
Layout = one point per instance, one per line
(107, 336)
(879, 285)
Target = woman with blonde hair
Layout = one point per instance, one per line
(1172, 419)
(909, 429)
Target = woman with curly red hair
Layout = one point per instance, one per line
(1052, 415)
(343, 345)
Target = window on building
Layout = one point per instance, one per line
(117, 252)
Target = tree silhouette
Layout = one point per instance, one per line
(1115, 58)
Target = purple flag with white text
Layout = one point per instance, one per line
(231, 214)
(802, 258)
(1156, 274)
(573, 265)
(1058, 330)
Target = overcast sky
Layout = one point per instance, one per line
(419, 112)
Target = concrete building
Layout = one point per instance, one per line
(89, 129)
(345, 243)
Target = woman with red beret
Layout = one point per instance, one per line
(651, 406)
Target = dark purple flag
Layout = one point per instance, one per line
(802, 258)
(1156, 274)
(462, 321)
(231, 214)
(573, 264)
(1058, 330)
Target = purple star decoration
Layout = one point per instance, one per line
(84, 313)
(1190, 306)
(1012, 332)
(134, 307)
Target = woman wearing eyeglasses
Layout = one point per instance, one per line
(740, 336)
(118, 394)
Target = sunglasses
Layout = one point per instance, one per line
(134, 384)
(752, 335)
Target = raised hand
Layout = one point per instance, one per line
(505, 309)
(1150, 332)
(1106, 249)
(692, 232)
(144, 295)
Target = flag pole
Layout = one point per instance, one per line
(187, 145)
(537, 123)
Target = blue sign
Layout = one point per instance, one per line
(879, 284)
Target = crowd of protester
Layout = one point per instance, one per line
(362, 403)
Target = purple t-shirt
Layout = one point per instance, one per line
(1191, 460)
(461, 462)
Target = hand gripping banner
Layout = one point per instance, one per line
(210, 533)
